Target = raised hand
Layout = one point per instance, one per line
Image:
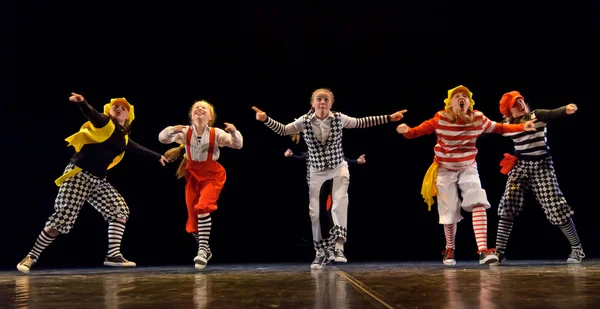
(288, 153)
(361, 159)
(77, 98)
(571, 108)
(260, 115)
(178, 129)
(402, 128)
(398, 115)
(229, 127)
(530, 125)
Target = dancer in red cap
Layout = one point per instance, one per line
(204, 176)
(100, 144)
(531, 168)
(454, 167)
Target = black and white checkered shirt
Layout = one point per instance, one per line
(324, 137)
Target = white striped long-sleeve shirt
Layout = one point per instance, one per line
(322, 128)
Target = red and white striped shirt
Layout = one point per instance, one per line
(456, 142)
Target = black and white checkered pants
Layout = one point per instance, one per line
(85, 187)
(540, 177)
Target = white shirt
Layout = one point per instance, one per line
(199, 147)
(321, 128)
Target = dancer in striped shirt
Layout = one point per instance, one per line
(531, 167)
(454, 167)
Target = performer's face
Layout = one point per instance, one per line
(201, 112)
(119, 112)
(322, 100)
(519, 109)
(460, 102)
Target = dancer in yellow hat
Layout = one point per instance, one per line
(99, 145)
(531, 168)
(454, 167)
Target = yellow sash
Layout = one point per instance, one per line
(429, 187)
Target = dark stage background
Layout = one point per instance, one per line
(377, 59)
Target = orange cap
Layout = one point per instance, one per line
(508, 101)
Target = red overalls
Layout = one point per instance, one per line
(203, 183)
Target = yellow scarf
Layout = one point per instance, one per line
(429, 187)
(88, 134)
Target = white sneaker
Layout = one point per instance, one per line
(202, 259)
(25, 265)
(576, 256)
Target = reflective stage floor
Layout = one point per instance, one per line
(518, 284)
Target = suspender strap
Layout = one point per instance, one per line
(211, 144)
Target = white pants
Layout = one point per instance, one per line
(339, 205)
(449, 204)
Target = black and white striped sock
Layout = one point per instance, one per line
(504, 227)
(203, 235)
(115, 234)
(569, 230)
(43, 241)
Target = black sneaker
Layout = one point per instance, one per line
(25, 265)
(202, 258)
(448, 257)
(319, 261)
(501, 258)
(330, 256)
(487, 257)
(118, 261)
(339, 256)
(576, 256)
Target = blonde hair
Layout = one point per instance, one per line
(296, 137)
(175, 152)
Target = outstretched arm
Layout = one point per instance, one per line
(289, 154)
(369, 121)
(97, 119)
(427, 127)
(351, 161)
(300, 157)
(547, 115)
(139, 149)
(283, 130)
(359, 160)
(490, 126)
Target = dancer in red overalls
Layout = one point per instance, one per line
(204, 176)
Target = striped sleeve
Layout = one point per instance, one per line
(288, 129)
(364, 122)
(487, 124)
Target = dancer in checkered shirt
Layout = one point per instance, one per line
(531, 168)
(454, 168)
(100, 145)
(322, 132)
(204, 176)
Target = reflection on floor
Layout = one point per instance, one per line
(518, 284)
